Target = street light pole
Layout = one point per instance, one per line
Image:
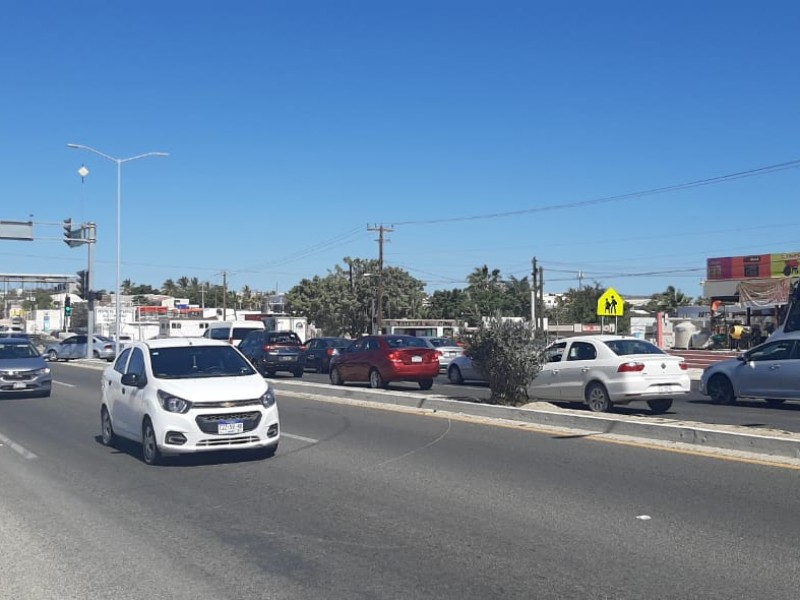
(119, 161)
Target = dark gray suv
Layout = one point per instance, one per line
(272, 351)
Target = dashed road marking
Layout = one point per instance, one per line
(21, 450)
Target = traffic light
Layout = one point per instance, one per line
(68, 231)
(82, 283)
(67, 306)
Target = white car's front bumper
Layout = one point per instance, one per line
(204, 430)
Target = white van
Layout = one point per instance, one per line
(232, 331)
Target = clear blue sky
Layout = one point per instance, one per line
(293, 125)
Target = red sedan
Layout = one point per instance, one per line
(381, 359)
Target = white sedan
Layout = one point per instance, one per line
(182, 395)
(605, 370)
(770, 371)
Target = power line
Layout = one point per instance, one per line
(792, 164)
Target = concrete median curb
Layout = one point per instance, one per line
(771, 443)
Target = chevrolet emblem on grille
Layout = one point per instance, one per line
(228, 404)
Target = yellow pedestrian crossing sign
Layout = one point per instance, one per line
(610, 304)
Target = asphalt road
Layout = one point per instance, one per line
(692, 407)
(363, 503)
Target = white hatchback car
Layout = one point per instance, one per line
(605, 370)
(183, 395)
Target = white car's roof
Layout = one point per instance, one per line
(183, 342)
(598, 338)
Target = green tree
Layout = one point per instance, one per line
(345, 300)
(40, 300)
(668, 301)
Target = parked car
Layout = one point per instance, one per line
(462, 369)
(179, 395)
(382, 359)
(447, 348)
(273, 351)
(607, 370)
(770, 372)
(600, 371)
(319, 351)
(75, 347)
(22, 368)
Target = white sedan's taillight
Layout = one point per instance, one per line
(630, 367)
(683, 366)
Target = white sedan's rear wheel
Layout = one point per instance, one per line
(597, 397)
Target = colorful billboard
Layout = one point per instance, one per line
(754, 266)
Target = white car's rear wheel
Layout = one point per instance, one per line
(597, 397)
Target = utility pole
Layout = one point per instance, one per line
(224, 295)
(541, 295)
(534, 287)
(379, 309)
(580, 280)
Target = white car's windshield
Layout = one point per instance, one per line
(190, 362)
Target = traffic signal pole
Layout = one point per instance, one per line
(89, 292)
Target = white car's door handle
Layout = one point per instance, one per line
(554, 372)
(585, 370)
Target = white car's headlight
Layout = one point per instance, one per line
(173, 404)
(268, 399)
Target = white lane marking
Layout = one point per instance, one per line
(64, 384)
(291, 436)
(644, 517)
(21, 450)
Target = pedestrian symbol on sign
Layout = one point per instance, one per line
(610, 304)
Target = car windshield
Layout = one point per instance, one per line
(10, 351)
(405, 341)
(626, 347)
(284, 338)
(239, 333)
(337, 343)
(190, 362)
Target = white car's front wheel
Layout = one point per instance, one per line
(150, 452)
(106, 429)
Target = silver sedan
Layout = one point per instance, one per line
(770, 372)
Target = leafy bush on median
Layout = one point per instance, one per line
(508, 355)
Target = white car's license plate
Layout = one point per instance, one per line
(18, 386)
(235, 427)
(416, 359)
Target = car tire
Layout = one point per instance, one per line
(454, 375)
(52, 355)
(660, 406)
(426, 384)
(336, 377)
(720, 390)
(96, 354)
(151, 455)
(376, 380)
(107, 435)
(298, 372)
(597, 397)
(775, 401)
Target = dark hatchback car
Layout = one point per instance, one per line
(272, 351)
(381, 359)
(22, 369)
(319, 352)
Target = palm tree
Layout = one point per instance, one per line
(127, 286)
(169, 288)
(483, 279)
